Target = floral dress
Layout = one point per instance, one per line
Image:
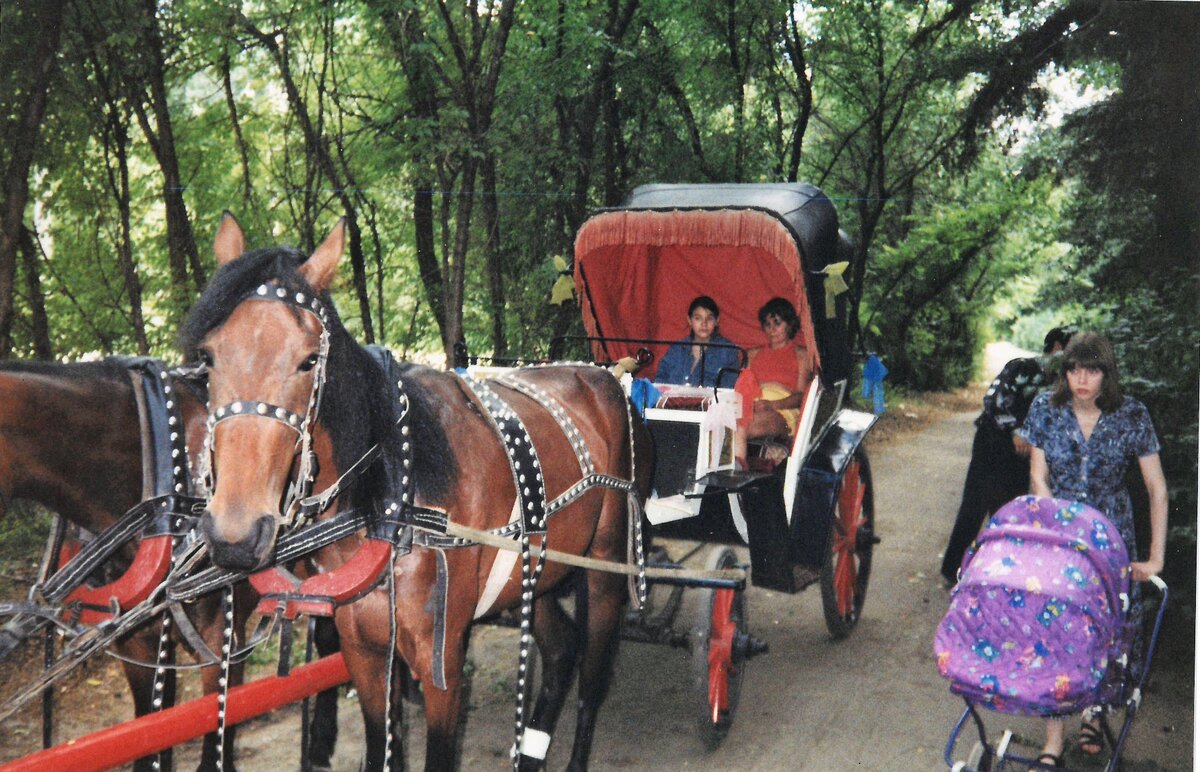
(1093, 470)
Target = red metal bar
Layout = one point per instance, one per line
(140, 737)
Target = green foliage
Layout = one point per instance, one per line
(1131, 166)
(929, 296)
(23, 532)
(1088, 218)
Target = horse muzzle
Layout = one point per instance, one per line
(249, 553)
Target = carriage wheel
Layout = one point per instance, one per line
(851, 542)
(719, 644)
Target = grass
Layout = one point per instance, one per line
(23, 533)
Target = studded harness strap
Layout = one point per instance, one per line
(523, 459)
(301, 424)
(534, 513)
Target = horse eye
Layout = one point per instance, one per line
(206, 357)
(309, 363)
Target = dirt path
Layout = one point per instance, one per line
(871, 702)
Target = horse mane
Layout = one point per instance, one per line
(357, 405)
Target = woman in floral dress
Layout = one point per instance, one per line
(1084, 436)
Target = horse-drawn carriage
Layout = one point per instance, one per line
(805, 519)
(811, 516)
(412, 492)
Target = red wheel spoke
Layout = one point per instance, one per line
(720, 652)
(845, 543)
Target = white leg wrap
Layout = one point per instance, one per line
(535, 743)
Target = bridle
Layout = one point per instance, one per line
(301, 484)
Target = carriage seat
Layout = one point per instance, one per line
(681, 397)
(684, 403)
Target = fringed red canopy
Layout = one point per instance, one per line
(638, 270)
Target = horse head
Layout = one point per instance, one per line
(262, 329)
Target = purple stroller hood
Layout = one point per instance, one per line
(1036, 624)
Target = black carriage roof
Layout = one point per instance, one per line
(807, 214)
(803, 208)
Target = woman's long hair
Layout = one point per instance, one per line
(1089, 349)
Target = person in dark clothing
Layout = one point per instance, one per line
(999, 468)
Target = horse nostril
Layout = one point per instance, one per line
(250, 553)
(207, 526)
(264, 537)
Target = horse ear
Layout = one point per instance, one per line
(318, 270)
(229, 243)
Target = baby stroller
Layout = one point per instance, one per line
(1038, 626)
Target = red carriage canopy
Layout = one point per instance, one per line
(638, 267)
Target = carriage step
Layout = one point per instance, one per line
(722, 483)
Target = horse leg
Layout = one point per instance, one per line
(443, 707)
(323, 728)
(372, 699)
(558, 643)
(143, 646)
(599, 609)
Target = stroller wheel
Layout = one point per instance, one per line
(980, 758)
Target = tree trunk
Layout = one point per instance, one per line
(243, 149)
(619, 19)
(408, 38)
(181, 243)
(39, 322)
(16, 177)
(427, 259)
(318, 149)
(115, 138)
(455, 260)
(804, 97)
(495, 262)
(120, 189)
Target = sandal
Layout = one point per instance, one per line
(1091, 739)
(1049, 759)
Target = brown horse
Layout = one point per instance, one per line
(70, 439)
(283, 360)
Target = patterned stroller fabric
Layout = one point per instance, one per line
(1037, 622)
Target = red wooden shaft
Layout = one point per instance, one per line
(139, 737)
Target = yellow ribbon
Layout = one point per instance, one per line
(564, 287)
(834, 286)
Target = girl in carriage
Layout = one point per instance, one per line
(777, 378)
(704, 357)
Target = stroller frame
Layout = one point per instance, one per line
(987, 757)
